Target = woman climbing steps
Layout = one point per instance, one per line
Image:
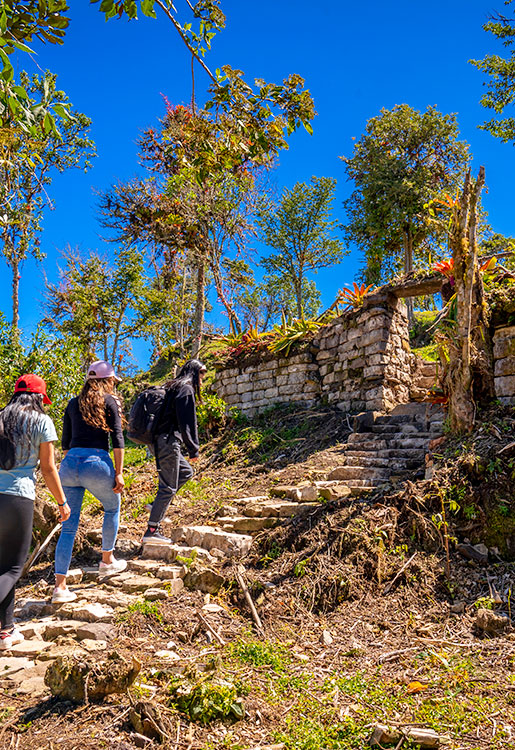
(89, 420)
(26, 437)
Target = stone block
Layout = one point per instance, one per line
(323, 356)
(504, 347)
(505, 386)
(246, 524)
(206, 580)
(271, 392)
(208, 537)
(373, 371)
(504, 367)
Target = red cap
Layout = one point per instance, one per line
(32, 384)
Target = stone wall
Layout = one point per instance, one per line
(504, 364)
(360, 361)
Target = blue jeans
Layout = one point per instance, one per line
(87, 469)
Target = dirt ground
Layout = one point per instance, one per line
(361, 624)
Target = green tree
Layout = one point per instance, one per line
(500, 246)
(500, 92)
(300, 229)
(404, 160)
(28, 162)
(102, 306)
(261, 305)
(202, 197)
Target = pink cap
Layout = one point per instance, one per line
(102, 369)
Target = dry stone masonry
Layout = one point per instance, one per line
(360, 361)
(504, 367)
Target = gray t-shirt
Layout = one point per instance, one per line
(21, 479)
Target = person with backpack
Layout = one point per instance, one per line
(173, 423)
(27, 437)
(90, 420)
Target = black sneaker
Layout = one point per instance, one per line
(153, 536)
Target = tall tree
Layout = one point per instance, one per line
(468, 366)
(500, 93)
(300, 229)
(101, 305)
(261, 305)
(204, 166)
(404, 160)
(28, 162)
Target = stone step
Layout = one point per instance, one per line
(332, 490)
(247, 525)
(131, 583)
(407, 428)
(363, 437)
(370, 460)
(164, 572)
(358, 472)
(306, 492)
(376, 446)
(360, 483)
(265, 508)
(399, 419)
(413, 454)
(209, 538)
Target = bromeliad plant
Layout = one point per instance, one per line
(289, 333)
(355, 297)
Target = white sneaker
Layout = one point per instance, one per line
(111, 569)
(8, 640)
(61, 596)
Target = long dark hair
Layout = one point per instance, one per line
(189, 373)
(14, 427)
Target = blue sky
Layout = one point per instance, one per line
(355, 59)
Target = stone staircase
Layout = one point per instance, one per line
(382, 449)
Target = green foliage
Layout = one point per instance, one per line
(101, 305)
(430, 352)
(500, 93)
(142, 607)
(58, 361)
(28, 162)
(261, 653)
(301, 232)
(289, 334)
(19, 23)
(207, 699)
(404, 159)
(135, 455)
(211, 413)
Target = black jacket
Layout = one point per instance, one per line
(179, 419)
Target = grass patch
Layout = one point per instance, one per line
(429, 352)
(151, 610)
(135, 455)
(261, 653)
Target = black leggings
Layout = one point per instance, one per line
(16, 514)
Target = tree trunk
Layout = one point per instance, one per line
(200, 305)
(234, 321)
(15, 325)
(468, 376)
(408, 268)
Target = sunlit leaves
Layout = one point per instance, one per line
(500, 88)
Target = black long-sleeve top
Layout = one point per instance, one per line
(179, 419)
(77, 433)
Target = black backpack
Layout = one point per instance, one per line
(145, 413)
